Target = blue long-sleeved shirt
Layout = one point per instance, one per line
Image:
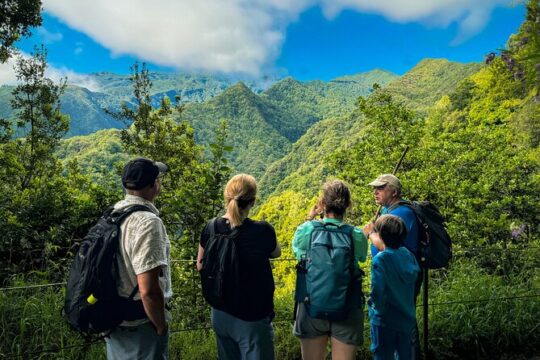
(407, 215)
(393, 276)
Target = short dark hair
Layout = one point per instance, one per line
(392, 230)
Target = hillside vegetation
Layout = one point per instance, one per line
(304, 169)
(262, 125)
(473, 132)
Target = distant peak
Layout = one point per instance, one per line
(432, 64)
(384, 75)
(240, 85)
(433, 61)
(288, 81)
(238, 89)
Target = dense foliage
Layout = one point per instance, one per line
(473, 131)
(17, 17)
(43, 205)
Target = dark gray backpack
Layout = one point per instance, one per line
(434, 243)
(220, 272)
(92, 304)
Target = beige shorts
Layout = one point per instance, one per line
(349, 331)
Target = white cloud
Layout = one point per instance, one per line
(229, 36)
(7, 75)
(49, 37)
(470, 15)
(237, 35)
(78, 50)
(73, 78)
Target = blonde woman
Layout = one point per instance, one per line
(245, 331)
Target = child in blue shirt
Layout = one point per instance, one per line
(391, 307)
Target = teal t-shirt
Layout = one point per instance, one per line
(302, 236)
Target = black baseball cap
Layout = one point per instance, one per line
(141, 172)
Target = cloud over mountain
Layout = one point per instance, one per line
(237, 36)
(8, 77)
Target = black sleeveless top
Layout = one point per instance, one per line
(255, 242)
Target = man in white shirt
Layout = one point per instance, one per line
(143, 261)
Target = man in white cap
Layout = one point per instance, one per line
(143, 267)
(387, 193)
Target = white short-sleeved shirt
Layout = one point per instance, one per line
(144, 245)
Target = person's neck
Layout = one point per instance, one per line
(392, 202)
(143, 195)
(333, 216)
(228, 216)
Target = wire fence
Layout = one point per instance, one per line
(456, 254)
(279, 322)
(282, 321)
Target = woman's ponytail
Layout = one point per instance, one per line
(240, 191)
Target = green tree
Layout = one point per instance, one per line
(36, 101)
(44, 208)
(16, 19)
(192, 182)
(388, 128)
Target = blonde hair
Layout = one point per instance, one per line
(239, 192)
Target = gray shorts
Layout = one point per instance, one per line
(349, 331)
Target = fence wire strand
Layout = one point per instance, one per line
(460, 252)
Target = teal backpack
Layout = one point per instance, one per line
(329, 282)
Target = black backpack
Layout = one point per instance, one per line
(220, 272)
(434, 245)
(92, 304)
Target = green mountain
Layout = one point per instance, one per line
(304, 104)
(262, 124)
(303, 169)
(263, 127)
(252, 127)
(190, 87)
(85, 107)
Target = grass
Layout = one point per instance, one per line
(31, 326)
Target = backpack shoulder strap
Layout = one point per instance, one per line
(213, 227)
(400, 203)
(119, 216)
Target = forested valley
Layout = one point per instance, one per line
(473, 132)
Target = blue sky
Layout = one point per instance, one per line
(306, 39)
(356, 42)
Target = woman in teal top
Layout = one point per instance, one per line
(345, 335)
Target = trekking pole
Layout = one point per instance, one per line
(393, 173)
(425, 303)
